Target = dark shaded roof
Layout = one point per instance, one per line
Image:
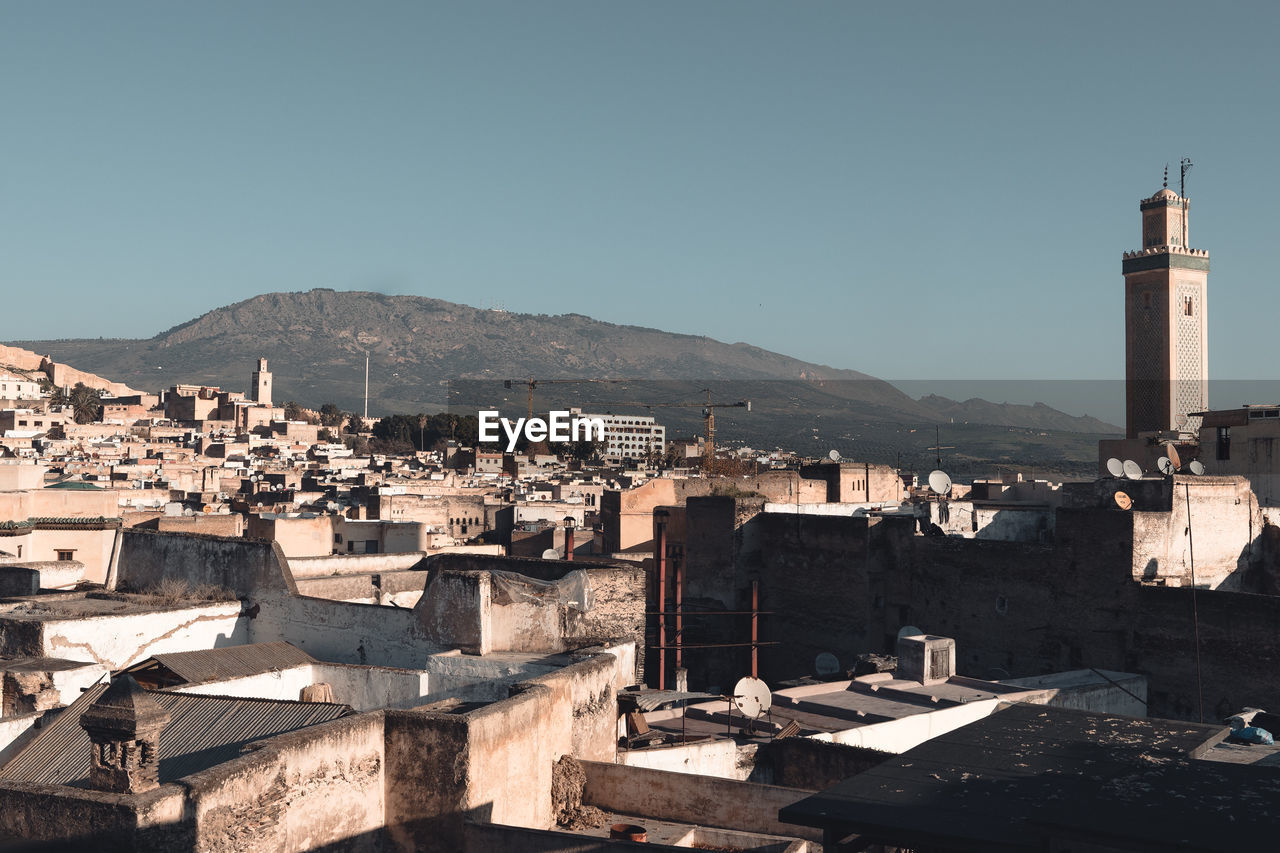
(79, 485)
(203, 731)
(1030, 773)
(218, 664)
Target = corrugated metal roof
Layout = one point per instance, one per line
(652, 700)
(228, 662)
(203, 731)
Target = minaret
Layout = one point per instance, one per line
(1166, 322)
(261, 388)
(124, 726)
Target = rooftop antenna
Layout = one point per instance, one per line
(1182, 191)
(366, 384)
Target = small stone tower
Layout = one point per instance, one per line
(124, 727)
(261, 389)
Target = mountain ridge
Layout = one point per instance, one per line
(423, 350)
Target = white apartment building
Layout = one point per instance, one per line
(630, 436)
(14, 387)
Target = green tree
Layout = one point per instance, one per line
(292, 411)
(86, 403)
(331, 415)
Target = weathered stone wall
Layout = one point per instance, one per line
(693, 799)
(304, 790)
(352, 564)
(341, 632)
(812, 765)
(116, 641)
(583, 713)
(244, 566)
(75, 819)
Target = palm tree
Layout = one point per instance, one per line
(86, 403)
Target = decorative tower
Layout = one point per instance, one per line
(124, 727)
(261, 392)
(1166, 321)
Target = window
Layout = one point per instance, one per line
(66, 554)
(1187, 307)
(1224, 442)
(1146, 299)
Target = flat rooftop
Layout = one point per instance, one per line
(828, 707)
(81, 605)
(1030, 774)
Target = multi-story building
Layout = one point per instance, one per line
(14, 387)
(630, 436)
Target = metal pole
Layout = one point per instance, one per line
(755, 628)
(678, 569)
(366, 385)
(660, 551)
(1195, 614)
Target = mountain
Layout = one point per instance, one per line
(426, 353)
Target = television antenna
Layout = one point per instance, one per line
(1165, 465)
(1123, 500)
(1197, 467)
(1132, 470)
(1182, 191)
(1171, 451)
(834, 455)
(940, 483)
(1115, 467)
(826, 664)
(551, 554)
(909, 631)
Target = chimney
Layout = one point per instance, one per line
(124, 727)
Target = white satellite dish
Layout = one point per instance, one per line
(834, 455)
(909, 631)
(1197, 467)
(551, 554)
(1115, 467)
(1132, 470)
(940, 482)
(1165, 464)
(751, 697)
(826, 664)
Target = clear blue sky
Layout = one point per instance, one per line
(840, 181)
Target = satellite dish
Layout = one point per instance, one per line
(751, 697)
(940, 482)
(551, 554)
(1115, 467)
(826, 664)
(1165, 464)
(1197, 467)
(1123, 500)
(909, 631)
(834, 455)
(1172, 453)
(1132, 470)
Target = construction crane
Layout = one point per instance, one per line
(532, 383)
(708, 415)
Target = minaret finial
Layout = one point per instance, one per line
(1166, 176)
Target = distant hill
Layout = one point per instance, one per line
(422, 350)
